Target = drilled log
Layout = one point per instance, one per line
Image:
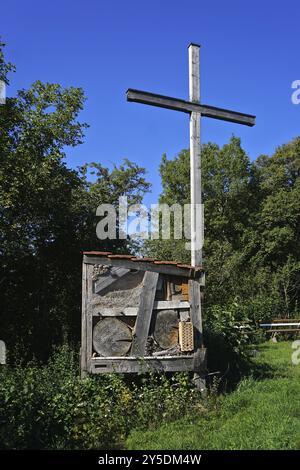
(166, 328)
(111, 337)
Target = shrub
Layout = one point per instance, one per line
(228, 332)
(51, 407)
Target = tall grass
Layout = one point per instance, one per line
(262, 413)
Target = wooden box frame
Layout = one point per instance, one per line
(139, 361)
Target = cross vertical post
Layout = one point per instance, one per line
(195, 156)
(196, 110)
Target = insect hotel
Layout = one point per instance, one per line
(139, 314)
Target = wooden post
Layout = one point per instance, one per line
(86, 320)
(195, 312)
(83, 350)
(195, 156)
(196, 317)
(89, 317)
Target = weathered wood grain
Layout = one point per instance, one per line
(111, 337)
(133, 365)
(170, 304)
(195, 312)
(115, 311)
(195, 156)
(166, 328)
(144, 314)
(168, 102)
(83, 348)
(100, 311)
(199, 351)
(144, 266)
(89, 317)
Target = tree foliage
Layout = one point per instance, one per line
(47, 214)
(252, 217)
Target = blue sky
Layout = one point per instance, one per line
(249, 58)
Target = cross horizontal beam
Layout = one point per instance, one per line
(188, 107)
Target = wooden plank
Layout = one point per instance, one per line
(106, 280)
(115, 311)
(145, 308)
(144, 266)
(195, 313)
(196, 192)
(89, 318)
(133, 311)
(194, 73)
(265, 325)
(89, 340)
(283, 330)
(227, 115)
(147, 364)
(170, 304)
(200, 366)
(145, 358)
(167, 102)
(199, 351)
(195, 156)
(83, 364)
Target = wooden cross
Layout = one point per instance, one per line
(196, 110)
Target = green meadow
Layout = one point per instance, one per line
(262, 413)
